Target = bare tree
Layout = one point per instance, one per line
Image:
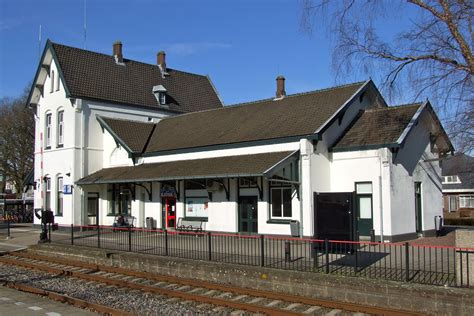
(431, 57)
(17, 140)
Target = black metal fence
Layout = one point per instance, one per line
(436, 265)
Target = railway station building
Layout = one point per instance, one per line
(116, 136)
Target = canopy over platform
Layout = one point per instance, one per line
(210, 168)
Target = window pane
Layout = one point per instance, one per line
(364, 188)
(365, 207)
(276, 202)
(287, 202)
(453, 204)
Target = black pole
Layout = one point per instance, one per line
(407, 263)
(209, 246)
(166, 242)
(98, 236)
(8, 227)
(72, 234)
(326, 251)
(129, 239)
(262, 251)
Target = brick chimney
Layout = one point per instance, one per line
(280, 91)
(117, 52)
(161, 61)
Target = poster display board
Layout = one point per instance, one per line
(197, 206)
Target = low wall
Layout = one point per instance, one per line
(416, 297)
(465, 260)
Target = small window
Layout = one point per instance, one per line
(120, 201)
(60, 128)
(281, 202)
(453, 203)
(48, 193)
(59, 207)
(57, 82)
(364, 200)
(466, 201)
(48, 130)
(451, 179)
(51, 89)
(162, 96)
(250, 182)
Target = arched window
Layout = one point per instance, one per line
(51, 89)
(57, 82)
(59, 202)
(47, 201)
(48, 130)
(60, 128)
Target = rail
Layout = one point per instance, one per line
(435, 265)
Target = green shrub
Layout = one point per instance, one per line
(462, 221)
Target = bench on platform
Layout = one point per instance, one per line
(121, 221)
(188, 225)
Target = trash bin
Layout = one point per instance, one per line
(150, 223)
(295, 228)
(438, 225)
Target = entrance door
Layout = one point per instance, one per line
(365, 222)
(93, 208)
(248, 214)
(418, 216)
(334, 217)
(169, 212)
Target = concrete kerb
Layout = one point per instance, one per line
(416, 297)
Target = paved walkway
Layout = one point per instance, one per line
(13, 302)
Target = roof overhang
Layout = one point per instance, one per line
(264, 164)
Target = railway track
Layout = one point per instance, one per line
(235, 298)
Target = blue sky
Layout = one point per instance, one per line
(243, 45)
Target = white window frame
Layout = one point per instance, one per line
(453, 207)
(466, 201)
(57, 82)
(281, 189)
(51, 88)
(48, 193)
(48, 130)
(162, 97)
(60, 196)
(451, 179)
(60, 128)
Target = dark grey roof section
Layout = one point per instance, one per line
(461, 165)
(131, 135)
(97, 76)
(295, 115)
(378, 127)
(221, 167)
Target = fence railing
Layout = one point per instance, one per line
(436, 265)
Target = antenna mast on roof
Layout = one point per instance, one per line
(85, 25)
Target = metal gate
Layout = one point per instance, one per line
(334, 216)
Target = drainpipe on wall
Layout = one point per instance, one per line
(381, 193)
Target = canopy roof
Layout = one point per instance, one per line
(221, 167)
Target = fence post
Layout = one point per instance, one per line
(262, 251)
(98, 236)
(326, 252)
(166, 242)
(407, 262)
(49, 232)
(209, 246)
(72, 234)
(8, 226)
(129, 239)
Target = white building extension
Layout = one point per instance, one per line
(338, 162)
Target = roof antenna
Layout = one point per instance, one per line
(39, 43)
(85, 25)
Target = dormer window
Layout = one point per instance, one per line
(160, 95)
(451, 179)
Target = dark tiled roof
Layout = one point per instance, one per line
(461, 165)
(295, 115)
(96, 76)
(134, 134)
(235, 166)
(380, 126)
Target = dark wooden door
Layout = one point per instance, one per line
(248, 214)
(334, 217)
(418, 213)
